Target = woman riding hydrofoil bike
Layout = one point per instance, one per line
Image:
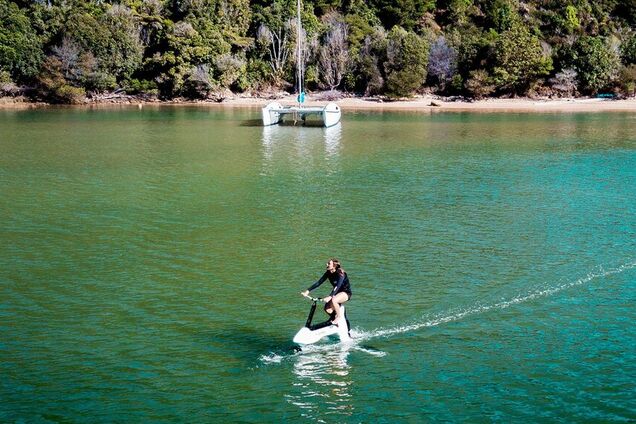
(340, 293)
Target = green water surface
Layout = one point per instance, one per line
(151, 262)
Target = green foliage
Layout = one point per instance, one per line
(361, 22)
(276, 38)
(404, 13)
(69, 94)
(55, 87)
(184, 48)
(479, 84)
(369, 75)
(596, 63)
(502, 15)
(519, 60)
(7, 86)
(407, 59)
(123, 52)
(229, 68)
(472, 46)
(20, 48)
(110, 33)
(276, 14)
(135, 86)
(322, 7)
(459, 11)
(5, 78)
(100, 81)
(627, 80)
(225, 21)
(571, 19)
(257, 74)
(628, 50)
(456, 84)
(192, 48)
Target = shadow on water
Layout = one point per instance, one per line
(259, 123)
(252, 123)
(245, 343)
(249, 344)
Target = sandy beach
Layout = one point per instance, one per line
(416, 104)
(432, 104)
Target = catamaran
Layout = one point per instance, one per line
(274, 112)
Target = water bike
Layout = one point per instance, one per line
(313, 333)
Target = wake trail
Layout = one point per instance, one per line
(360, 336)
(457, 315)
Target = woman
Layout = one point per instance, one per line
(341, 289)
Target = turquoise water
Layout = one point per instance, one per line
(151, 263)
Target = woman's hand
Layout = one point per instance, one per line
(305, 293)
(327, 299)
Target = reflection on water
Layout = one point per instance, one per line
(284, 140)
(267, 141)
(332, 139)
(322, 382)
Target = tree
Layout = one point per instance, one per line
(110, 33)
(229, 68)
(502, 14)
(628, 49)
(123, 53)
(627, 80)
(333, 58)
(519, 59)
(53, 84)
(278, 47)
(368, 68)
(403, 13)
(68, 55)
(275, 37)
(7, 86)
(596, 62)
(565, 82)
(198, 84)
(20, 48)
(407, 58)
(479, 84)
(455, 12)
(571, 21)
(361, 23)
(472, 45)
(442, 61)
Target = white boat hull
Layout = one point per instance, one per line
(328, 115)
(271, 114)
(331, 114)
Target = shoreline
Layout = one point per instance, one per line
(424, 104)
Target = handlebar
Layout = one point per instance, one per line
(315, 299)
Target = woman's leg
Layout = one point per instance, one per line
(337, 300)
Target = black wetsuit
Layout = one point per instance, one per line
(340, 283)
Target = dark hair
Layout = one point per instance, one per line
(336, 263)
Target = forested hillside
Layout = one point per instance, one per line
(62, 51)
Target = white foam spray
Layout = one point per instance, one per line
(456, 315)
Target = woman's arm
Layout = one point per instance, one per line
(318, 283)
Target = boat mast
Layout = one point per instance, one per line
(299, 52)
